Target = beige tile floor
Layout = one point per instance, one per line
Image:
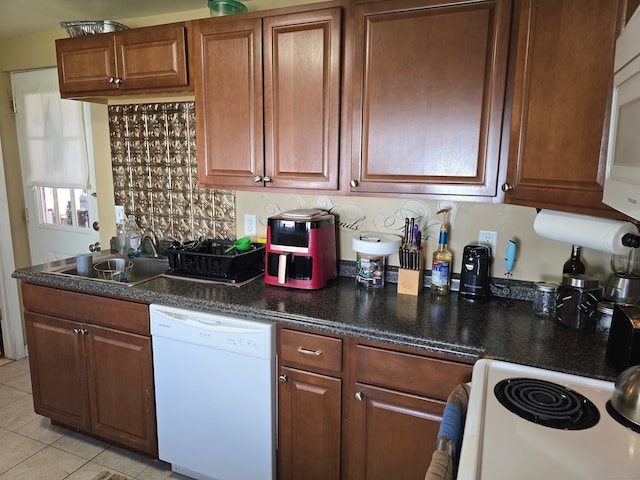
(33, 449)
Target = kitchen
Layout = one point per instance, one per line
(509, 221)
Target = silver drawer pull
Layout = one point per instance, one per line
(305, 351)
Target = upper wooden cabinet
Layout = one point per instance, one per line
(562, 83)
(427, 82)
(142, 60)
(268, 100)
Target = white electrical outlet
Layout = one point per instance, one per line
(120, 215)
(249, 224)
(490, 239)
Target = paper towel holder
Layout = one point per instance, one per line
(631, 240)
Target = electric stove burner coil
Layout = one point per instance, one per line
(546, 403)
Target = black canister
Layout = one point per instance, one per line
(577, 300)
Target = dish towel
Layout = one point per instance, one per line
(444, 460)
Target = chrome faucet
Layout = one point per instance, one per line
(150, 237)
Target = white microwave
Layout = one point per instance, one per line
(622, 181)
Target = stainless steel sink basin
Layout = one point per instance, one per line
(144, 269)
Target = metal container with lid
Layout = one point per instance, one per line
(577, 301)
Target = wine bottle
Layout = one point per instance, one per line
(574, 264)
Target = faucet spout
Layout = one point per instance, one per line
(150, 238)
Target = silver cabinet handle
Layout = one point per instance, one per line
(353, 183)
(257, 178)
(117, 81)
(283, 378)
(359, 396)
(267, 179)
(506, 187)
(111, 80)
(306, 351)
(95, 247)
(80, 331)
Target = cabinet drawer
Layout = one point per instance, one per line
(409, 373)
(311, 350)
(84, 307)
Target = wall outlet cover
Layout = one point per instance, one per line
(490, 239)
(249, 224)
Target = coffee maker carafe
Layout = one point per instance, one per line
(301, 249)
(623, 285)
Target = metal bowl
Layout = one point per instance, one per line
(116, 269)
(626, 394)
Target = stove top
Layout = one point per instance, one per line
(519, 442)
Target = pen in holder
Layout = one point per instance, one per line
(510, 260)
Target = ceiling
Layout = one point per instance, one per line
(18, 17)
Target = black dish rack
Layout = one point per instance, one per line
(209, 260)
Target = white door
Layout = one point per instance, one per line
(61, 210)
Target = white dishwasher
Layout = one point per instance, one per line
(215, 394)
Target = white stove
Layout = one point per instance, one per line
(499, 443)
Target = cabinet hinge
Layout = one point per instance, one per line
(14, 105)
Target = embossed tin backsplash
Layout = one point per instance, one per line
(155, 173)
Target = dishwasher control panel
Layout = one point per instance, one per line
(246, 337)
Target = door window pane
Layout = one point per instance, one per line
(64, 207)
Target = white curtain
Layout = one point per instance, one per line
(55, 138)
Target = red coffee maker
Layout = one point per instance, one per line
(301, 249)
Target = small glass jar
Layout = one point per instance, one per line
(576, 302)
(544, 300)
(604, 317)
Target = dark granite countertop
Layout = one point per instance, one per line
(450, 324)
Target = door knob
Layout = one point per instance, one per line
(353, 183)
(95, 247)
(359, 396)
(96, 226)
(506, 187)
(283, 378)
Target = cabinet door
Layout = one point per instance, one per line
(121, 391)
(561, 102)
(428, 93)
(58, 372)
(152, 57)
(302, 99)
(228, 85)
(309, 416)
(394, 434)
(86, 63)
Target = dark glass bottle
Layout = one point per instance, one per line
(574, 264)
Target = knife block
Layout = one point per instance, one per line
(410, 282)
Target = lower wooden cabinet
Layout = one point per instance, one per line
(309, 425)
(356, 409)
(95, 378)
(393, 434)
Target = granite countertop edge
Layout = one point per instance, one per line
(465, 332)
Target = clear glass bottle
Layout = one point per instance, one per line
(132, 237)
(121, 234)
(442, 262)
(574, 264)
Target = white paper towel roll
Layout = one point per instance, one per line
(591, 232)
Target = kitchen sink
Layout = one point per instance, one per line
(144, 269)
